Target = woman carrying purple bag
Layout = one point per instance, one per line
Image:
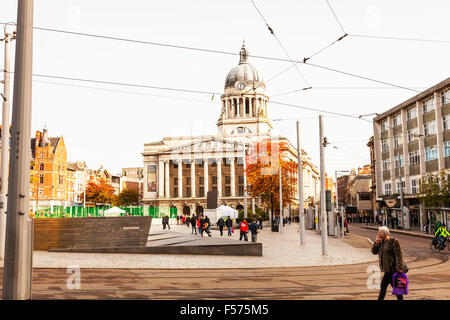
(391, 262)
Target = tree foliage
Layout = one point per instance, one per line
(263, 174)
(435, 190)
(129, 197)
(101, 192)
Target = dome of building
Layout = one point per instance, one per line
(244, 72)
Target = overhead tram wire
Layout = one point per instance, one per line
(397, 38)
(337, 19)
(281, 45)
(220, 52)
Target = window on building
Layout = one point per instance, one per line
(413, 134)
(241, 179)
(414, 157)
(175, 165)
(202, 191)
(241, 191)
(214, 188)
(446, 122)
(188, 192)
(398, 141)
(41, 167)
(201, 180)
(61, 179)
(214, 179)
(387, 189)
(188, 165)
(447, 149)
(386, 164)
(384, 126)
(175, 191)
(227, 179)
(411, 113)
(175, 181)
(397, 120)
(403, 186)
(227, 191)
(429, 128)
(240, 161)
(188, 181)
(384, 146)
(41, 178)
(396, 161)
(414, 188)
(40, 193)
(428, 105)
(431, 153)
(445, 97)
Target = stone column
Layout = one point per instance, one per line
(205, 176)
(166, 180)
(192, 178)
(180, 178)
(232, 173)
(219, 177)
(250, 101)
(160, 179)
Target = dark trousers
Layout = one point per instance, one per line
(243, 234)
(229, 231)
(194, 228)
(221, 231)
(387, 280)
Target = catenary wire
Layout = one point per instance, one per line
(337, 19)
(219, 52)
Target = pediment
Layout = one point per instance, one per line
(206, 146)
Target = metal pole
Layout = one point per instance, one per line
(337, 201)
(280, 227)
(5, 143)
(323, 211)
(17, 276)
(245, 184)
(301, 216)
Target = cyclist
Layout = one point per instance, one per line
(441, 234)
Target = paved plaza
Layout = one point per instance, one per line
(279, 250)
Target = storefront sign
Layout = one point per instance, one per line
(390, 202)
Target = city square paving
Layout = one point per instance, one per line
(286, 271)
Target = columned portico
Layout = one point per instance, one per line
(205, 176)
(232, 180)
(193, 178)
(219, 177)
(160, 178)
(166, 180)
(180, 179)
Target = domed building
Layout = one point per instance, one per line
(179, 171)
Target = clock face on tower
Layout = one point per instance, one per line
(240, 86)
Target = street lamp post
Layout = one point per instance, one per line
(337, 200)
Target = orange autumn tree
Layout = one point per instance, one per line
(101, 192)
(263, 177)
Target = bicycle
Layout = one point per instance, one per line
(435, 243)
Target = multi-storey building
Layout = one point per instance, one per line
(132, 178)
(48, 171)
(412, 140)
(179, 171)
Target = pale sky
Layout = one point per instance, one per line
(110, 128)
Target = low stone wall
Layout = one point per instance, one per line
(101, 232)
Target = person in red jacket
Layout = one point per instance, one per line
(243, 227)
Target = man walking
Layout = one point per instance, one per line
(229, 225)
(194, 224)
(260, 222)
(390, 259)
(254, 229)
(243, 227)
(221, 224)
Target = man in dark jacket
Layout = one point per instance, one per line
(390, 259)
(229, 225)
(202, 222)
(221, 224)
(260, 222)
(253, 227)
(206, 226)
(194, 224)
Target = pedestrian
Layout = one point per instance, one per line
(206, 226)
(390, 259)
(229, 225)
(260, 222)
(426, 226)
(253, 227)
(194, 224)
(183, 219)
(201, 221)
(243, 227)
(167, 221)
(188, 220)
(178, 219)
(346, 226)
(221, 224)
